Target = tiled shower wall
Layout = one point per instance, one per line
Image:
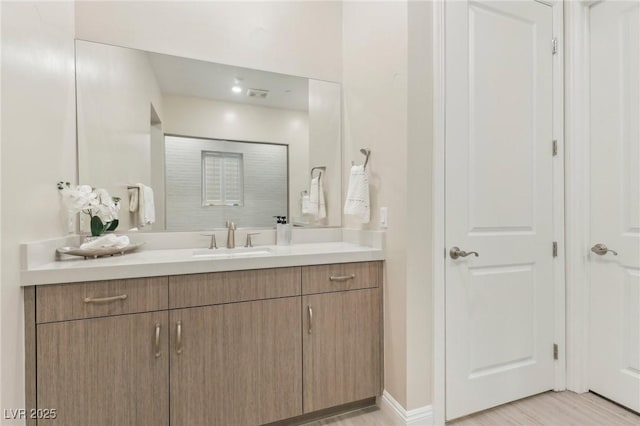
(265, 184)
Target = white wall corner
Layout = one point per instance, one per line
(422, 416)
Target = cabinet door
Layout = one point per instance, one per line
(342, 347)
(105, 371)
(236, 364)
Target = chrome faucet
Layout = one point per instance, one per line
(231, 235)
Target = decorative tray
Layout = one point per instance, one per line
(97, 252)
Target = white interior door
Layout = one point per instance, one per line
(499, 203)
(614, 311)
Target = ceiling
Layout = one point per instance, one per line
(190, 77)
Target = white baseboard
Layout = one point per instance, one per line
(422, 416)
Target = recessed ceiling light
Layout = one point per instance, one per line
(236, 89)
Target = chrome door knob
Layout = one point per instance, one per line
(601, 249)
(455, 253)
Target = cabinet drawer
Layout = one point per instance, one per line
(228, 287)
(61, 302)
(341, 276)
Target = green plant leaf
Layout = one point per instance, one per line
(97, 227)
(111, 226)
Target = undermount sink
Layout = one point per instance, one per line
(232, 253)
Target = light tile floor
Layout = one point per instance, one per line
(546, 409)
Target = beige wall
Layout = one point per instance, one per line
(2, 389)
(116, 88)
(375, 109)
(419, 208)
(38, 150)
(387, 108)
(206, 118)
(291, 37)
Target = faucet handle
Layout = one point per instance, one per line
(213, 244)
(249, 235)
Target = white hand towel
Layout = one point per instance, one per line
(141, 202)
(316, 198)
(357, 203)
(306, 204)
(145, 208)
(109, 240)
(134, 199)
(322, 206)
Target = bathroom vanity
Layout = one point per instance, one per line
(178, 334)
(227, 347)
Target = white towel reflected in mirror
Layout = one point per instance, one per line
(141, 203)
(316, 206)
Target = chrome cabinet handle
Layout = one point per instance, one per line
(455, 253)
(342, 278)
(104, 299)
(310, 318)
(179, 337)
(601, 249)
(157, 340)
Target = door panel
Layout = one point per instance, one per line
(496, 344)
(105, 371)
(240, 363)
(631, 323)
(501, 119)
(499, 306)
(614, 322)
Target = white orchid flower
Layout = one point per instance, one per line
(94, 202)
(105, 207)
(77, 199)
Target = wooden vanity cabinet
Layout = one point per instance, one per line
(105, 371)
(342, 341)
(238, 361)
(237, 364)
(228, 348)
(102, 352)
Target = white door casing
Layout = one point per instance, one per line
(614, 135)
(499, 202)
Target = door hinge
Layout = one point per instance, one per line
(555, 148)
(555, 249)
(554, 45)
(555, 351)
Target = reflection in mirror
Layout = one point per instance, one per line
(214, 142)
(209, 181)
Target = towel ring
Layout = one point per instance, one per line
(320, 169)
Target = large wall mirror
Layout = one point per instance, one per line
(214, 142)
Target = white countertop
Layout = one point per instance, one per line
(150, 263)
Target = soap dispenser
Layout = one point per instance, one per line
(283, 231)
